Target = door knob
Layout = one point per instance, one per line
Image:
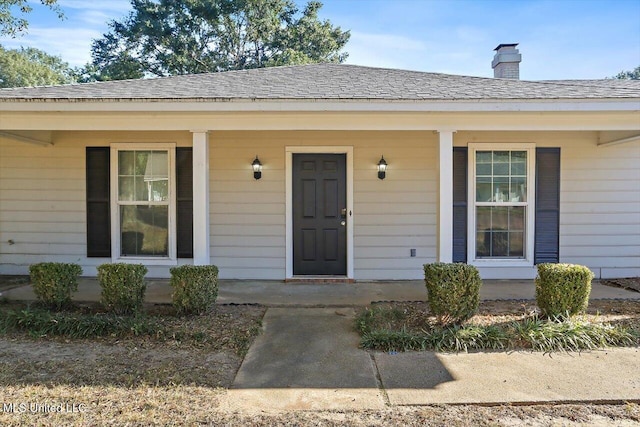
(343, 223)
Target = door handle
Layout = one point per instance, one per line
(343, 223)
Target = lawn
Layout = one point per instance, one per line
(499, 325)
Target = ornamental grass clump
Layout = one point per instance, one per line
(54, 282)
(123, 287)
(454, 291)
(562, 290)
(195, 288)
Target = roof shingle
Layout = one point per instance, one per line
(328, 82)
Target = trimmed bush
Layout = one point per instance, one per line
(562, 289)
(54, 282)
(122, 286)
(454, 291)
(195, 288)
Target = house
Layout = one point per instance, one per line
(277, 173)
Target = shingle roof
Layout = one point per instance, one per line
(328, 82)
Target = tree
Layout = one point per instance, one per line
(169, 37)
(13, 25)
(629, 75)
(32, 67)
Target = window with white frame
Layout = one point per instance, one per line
(143, 224)
(502, 191)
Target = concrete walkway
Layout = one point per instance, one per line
(308, 359)
(278, 293)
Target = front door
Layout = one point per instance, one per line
(319, 215)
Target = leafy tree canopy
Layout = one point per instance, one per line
(13, 13)
(169, 37)
(32, 67)
(629, 75)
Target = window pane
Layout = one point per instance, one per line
(501, 169)
(126, 188)
(500, 231)
(500, 189)
(500, 157)
(141, 162)
(516, 244)
(484, 156)
(125, 162)
(518, 189)
(516, 218)
(483, 189)
(144, 230)
(483, 169)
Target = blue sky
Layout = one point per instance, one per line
(559, 39)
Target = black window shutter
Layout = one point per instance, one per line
(98, 202)
(547, 222)
(184, 197)
(460, 204)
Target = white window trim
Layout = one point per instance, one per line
(530, 148)
(171, 259)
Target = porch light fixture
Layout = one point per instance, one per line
(382, 168)
(257, 168)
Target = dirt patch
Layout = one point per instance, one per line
(227, 332)
(9, 282)
(631, 283)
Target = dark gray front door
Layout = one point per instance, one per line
(319, 214)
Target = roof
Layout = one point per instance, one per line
(327, 82)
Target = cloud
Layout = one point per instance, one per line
(383, 50)
(109, 6)
(72, 44)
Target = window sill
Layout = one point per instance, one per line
(502, 263)
(146, 261)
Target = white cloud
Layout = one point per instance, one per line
(72, 44)
(110, 6)
(383, 50)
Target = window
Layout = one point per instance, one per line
(143, 224)
(501, 185)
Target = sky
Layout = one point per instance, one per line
(558, 39)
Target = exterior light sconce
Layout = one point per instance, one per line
(382, 168)
(257, 168)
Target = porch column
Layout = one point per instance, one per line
(445, 197)
(201, 198)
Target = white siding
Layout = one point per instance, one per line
(42, 199)
(390, 217)
(599, 200)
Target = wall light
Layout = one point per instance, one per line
(382, 168)
(257, 168)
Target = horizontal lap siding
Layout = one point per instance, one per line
(390, 217)
(42, 205)
(599, 198)
(396, 214)
(247, 221)
(42, 198)
(600, 208)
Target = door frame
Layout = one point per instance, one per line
(289, 152)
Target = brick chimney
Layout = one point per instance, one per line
(506, 62)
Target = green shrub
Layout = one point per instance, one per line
(454, 291)
(122, 286)
(195, 288)
(562, 289)
(54, 282)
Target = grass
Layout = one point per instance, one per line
(392, 328)
(214, 330)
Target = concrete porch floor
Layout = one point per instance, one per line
(279, 293)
